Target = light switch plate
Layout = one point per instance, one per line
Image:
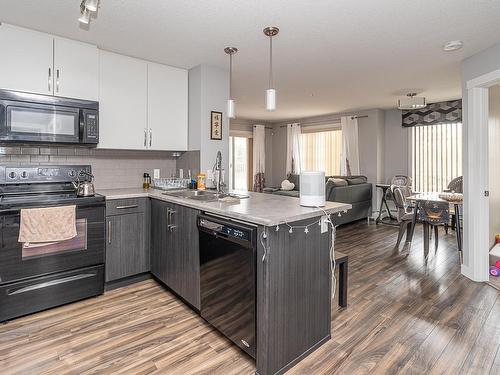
(181, 173)
(156, 173)
(324, 224)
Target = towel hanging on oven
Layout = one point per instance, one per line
(47, 224)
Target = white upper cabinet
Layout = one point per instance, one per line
(43, 64)
(122, 102)
(76, 69)
(26, 60)
(167, 107)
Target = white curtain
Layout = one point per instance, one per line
(259, 157)
(350, 146)
(293, 146)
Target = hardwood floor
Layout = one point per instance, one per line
(407, 314)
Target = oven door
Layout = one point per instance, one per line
(19, 261)
(33, 122)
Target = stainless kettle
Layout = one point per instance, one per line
(84, 188)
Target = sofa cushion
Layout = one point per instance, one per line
(290, 193)
(351, 193)
(336, 182)
(295, 179)
(356, 180)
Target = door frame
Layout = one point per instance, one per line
(476, 180)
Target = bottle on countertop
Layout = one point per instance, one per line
(146, 181)
(201, 181)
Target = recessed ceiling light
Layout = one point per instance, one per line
(453, 45)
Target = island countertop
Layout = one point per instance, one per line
(259, 208)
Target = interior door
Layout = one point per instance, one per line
(167, 107)
(122, 102)
(26, 60)
(76, 69)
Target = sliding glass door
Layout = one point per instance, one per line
(240, 163)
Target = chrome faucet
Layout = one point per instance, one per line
(218, 168)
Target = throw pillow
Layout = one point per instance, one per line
(287, 185)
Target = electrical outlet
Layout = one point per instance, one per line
(156, 173)
(324, 224)
(181, 173)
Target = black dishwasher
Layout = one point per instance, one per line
(227, 278)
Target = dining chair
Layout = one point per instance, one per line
(433, 214)
(404, 212)
(454, 186)
(398, 180)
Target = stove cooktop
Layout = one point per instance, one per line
(26, 200)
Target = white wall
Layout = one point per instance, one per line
(494, 161)
(475, 66)
(208, 91)
(396, 145)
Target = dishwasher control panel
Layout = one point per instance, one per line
(225, 228)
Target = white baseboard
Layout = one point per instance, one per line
(469, 273)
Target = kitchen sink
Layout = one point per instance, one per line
(202, 195)
(191, 193)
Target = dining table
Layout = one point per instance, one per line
(456, 204)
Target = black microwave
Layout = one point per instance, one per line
(33, 118)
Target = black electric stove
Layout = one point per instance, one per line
(34, 277)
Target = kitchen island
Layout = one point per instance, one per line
(293, 267)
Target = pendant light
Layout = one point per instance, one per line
(271, 91)
(231, 110)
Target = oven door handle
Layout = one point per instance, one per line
(46, 284)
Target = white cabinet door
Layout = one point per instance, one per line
(76, 69)
(122, 102)
(26, 60)
(167, 107)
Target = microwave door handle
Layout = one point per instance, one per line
(57, 80)
(50, 80)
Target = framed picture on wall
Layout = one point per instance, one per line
(216, 126)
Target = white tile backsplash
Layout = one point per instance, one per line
(112, 169)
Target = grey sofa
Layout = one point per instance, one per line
(355, 190)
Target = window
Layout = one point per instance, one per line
(321, 151)
(240, 159)
(436, 156)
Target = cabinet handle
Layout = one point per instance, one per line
(125, 207)
(50, 80)
(145, 137)
(150, 137)
(109, 231)
(57, 80)
(168, 217)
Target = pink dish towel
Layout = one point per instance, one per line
(48, 224)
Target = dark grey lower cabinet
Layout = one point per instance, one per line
(127, 238)
(174, 249)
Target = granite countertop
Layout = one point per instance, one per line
(259, 208)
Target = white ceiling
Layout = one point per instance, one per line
(330, 56)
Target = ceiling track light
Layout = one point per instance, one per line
(91, 5)
(84, 14)
(86, 8)
(271, 31)
(231, 110)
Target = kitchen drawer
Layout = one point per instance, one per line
(29, 296)
(126, 206)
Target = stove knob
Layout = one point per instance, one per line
(24, 174)
(12, 175)
(71, 173)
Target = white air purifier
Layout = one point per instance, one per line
(312, 189)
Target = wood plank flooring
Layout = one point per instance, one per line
(407, 314)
